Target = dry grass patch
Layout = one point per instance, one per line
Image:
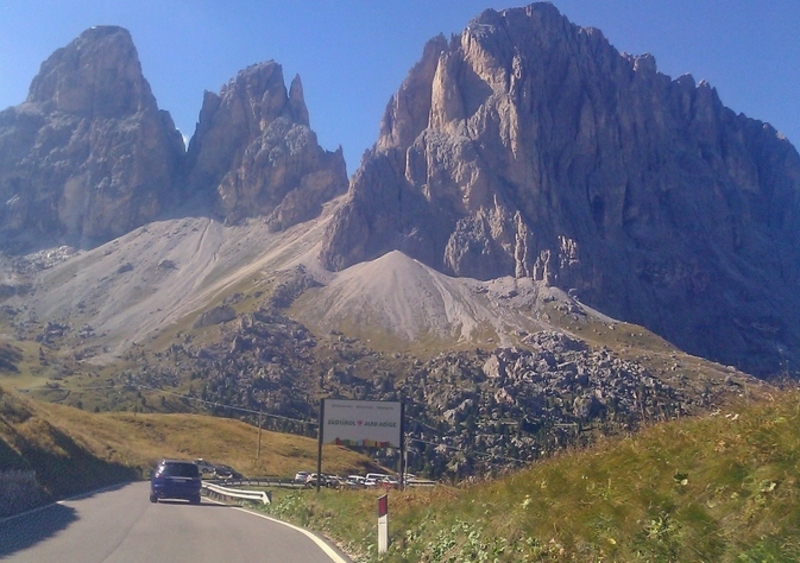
(141, 439)
(719, 488)
(72, 450)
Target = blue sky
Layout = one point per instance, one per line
(352, 55)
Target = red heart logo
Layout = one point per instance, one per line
(359, 422)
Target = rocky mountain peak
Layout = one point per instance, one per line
(297, 102)
(89, 156)
(254, 151)
(98, 74)
(407, 112)
(528, 146)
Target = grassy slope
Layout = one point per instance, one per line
(30, 440)
(72, 450)
(141, 439)
(720, 488)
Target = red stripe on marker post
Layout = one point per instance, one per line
(383, 524)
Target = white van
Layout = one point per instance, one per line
(373, 479)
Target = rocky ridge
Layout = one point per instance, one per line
(470, 412)
(539, 188)
(529, 147)
(255, 152)
(88, 156)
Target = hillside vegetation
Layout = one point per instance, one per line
(725, 487)
(72, 451)
(722, 488)
(188, 315)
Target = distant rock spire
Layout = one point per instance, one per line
(297, 102)
(255, 153)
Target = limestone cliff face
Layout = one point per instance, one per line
(254, 151)
(88, 156)
(528, 146)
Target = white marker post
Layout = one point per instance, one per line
(383, 524)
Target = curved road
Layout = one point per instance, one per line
(121, 524)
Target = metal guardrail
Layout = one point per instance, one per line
(225, 488)
(259, 482)
(213, 490)
(420, 483)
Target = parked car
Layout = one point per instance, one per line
(174, 479)
(330, 481)
(204, 466)
(334, 482)
(311, 480)
(355, 481)
(374, 479)
(226, 472)
(388, 482)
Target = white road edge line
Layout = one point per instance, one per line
(329, 551)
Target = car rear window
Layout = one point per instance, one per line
(179, 470)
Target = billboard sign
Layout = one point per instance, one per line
(375, 424)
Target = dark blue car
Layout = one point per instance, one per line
(174, 479)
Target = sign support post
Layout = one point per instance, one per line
(258, 446)
(402, 446)
(319, 444)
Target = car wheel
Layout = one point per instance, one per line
(195, 500)
(153, 498)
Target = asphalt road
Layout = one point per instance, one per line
(120, 525)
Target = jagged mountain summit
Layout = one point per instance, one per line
(524, 169)
(255, 152)
(528, 146)
(88, 156)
